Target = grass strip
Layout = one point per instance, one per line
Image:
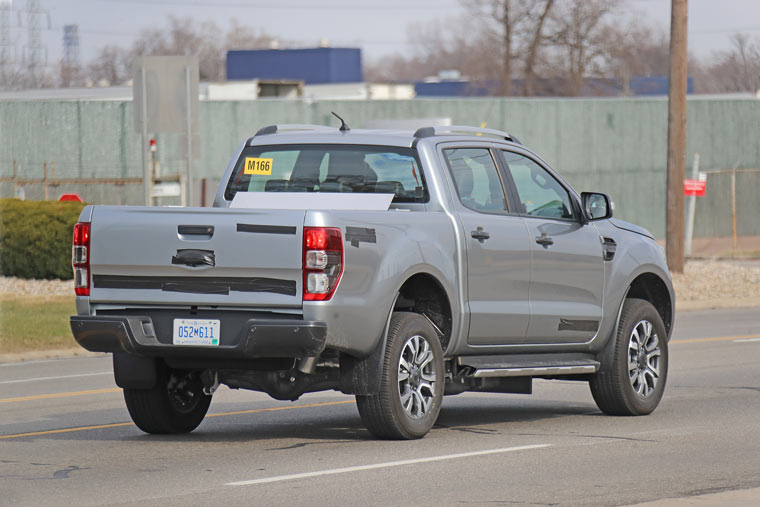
(35, 323)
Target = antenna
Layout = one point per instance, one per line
(343, 126)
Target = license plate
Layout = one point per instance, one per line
(196, 332)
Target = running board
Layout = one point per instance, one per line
(536, 371)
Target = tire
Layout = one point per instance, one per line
(633, 387)
(411, 382)
(176, 404)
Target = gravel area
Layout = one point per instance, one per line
(718, 279)
(24, 287)
(702, 280)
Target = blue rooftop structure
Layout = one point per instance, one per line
(458, 88)
(313, 66)
(655, 85)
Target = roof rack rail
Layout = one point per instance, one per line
(285, 127)
(462, 129)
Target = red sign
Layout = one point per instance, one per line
(694, 187)
(70, 197)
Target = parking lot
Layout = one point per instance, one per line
(66, 438)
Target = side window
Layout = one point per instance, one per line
(540, 193)
(476, 178)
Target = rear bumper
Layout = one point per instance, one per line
(262, 338)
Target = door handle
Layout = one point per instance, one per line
(480, 234)
(544, 240)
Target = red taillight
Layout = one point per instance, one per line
(80, 258)
(322, 262)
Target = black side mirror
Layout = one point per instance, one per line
(596, 206)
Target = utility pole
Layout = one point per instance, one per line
(674, 217)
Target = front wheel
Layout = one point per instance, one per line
(411, 383)
(634, 368)
(176, 404)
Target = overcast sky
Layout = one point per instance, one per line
(379, 27)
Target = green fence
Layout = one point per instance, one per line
(618, 146)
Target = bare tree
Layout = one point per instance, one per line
(536, 41)
(109, 66)
(580, 32)
(633, 49)
(182, 36)
(439, 45)
(734, 70)
(70, 75)
(518, 26)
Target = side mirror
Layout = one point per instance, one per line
(596, 206)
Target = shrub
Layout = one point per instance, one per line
(35, 238)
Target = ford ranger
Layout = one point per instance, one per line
(394, 266)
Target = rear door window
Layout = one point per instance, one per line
(330, 169)
(477, 179)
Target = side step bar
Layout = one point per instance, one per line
(536, 371)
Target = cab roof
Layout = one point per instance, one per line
(319, 134)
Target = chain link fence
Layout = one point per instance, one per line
(114, 191)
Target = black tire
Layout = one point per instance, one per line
(176, 404)
(384, 414)
(635, 387)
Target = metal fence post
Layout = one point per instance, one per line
(733, 209)
(188, 200)
(45, 179)
(692, 206)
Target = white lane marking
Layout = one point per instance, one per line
(55, 378)
(747, 340)
(53, 360)
(22, 363)
(388, 464)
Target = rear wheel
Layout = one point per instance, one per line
(411, 384)
(635, 364)
(176, 404)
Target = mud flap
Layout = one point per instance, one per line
(362, 376)
(134, 372)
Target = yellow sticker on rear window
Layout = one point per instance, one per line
(261, 166)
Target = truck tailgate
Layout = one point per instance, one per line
(196, 256)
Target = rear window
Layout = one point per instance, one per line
(331, 169)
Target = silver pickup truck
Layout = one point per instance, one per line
(394, 266)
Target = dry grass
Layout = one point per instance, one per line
(35, 323)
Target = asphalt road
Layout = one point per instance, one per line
(66, 439)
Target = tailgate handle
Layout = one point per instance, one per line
(193, 257)
(196, 230)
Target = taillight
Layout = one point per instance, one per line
(80, 258)
(322, 262)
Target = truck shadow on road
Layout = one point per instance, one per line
(342, 424)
